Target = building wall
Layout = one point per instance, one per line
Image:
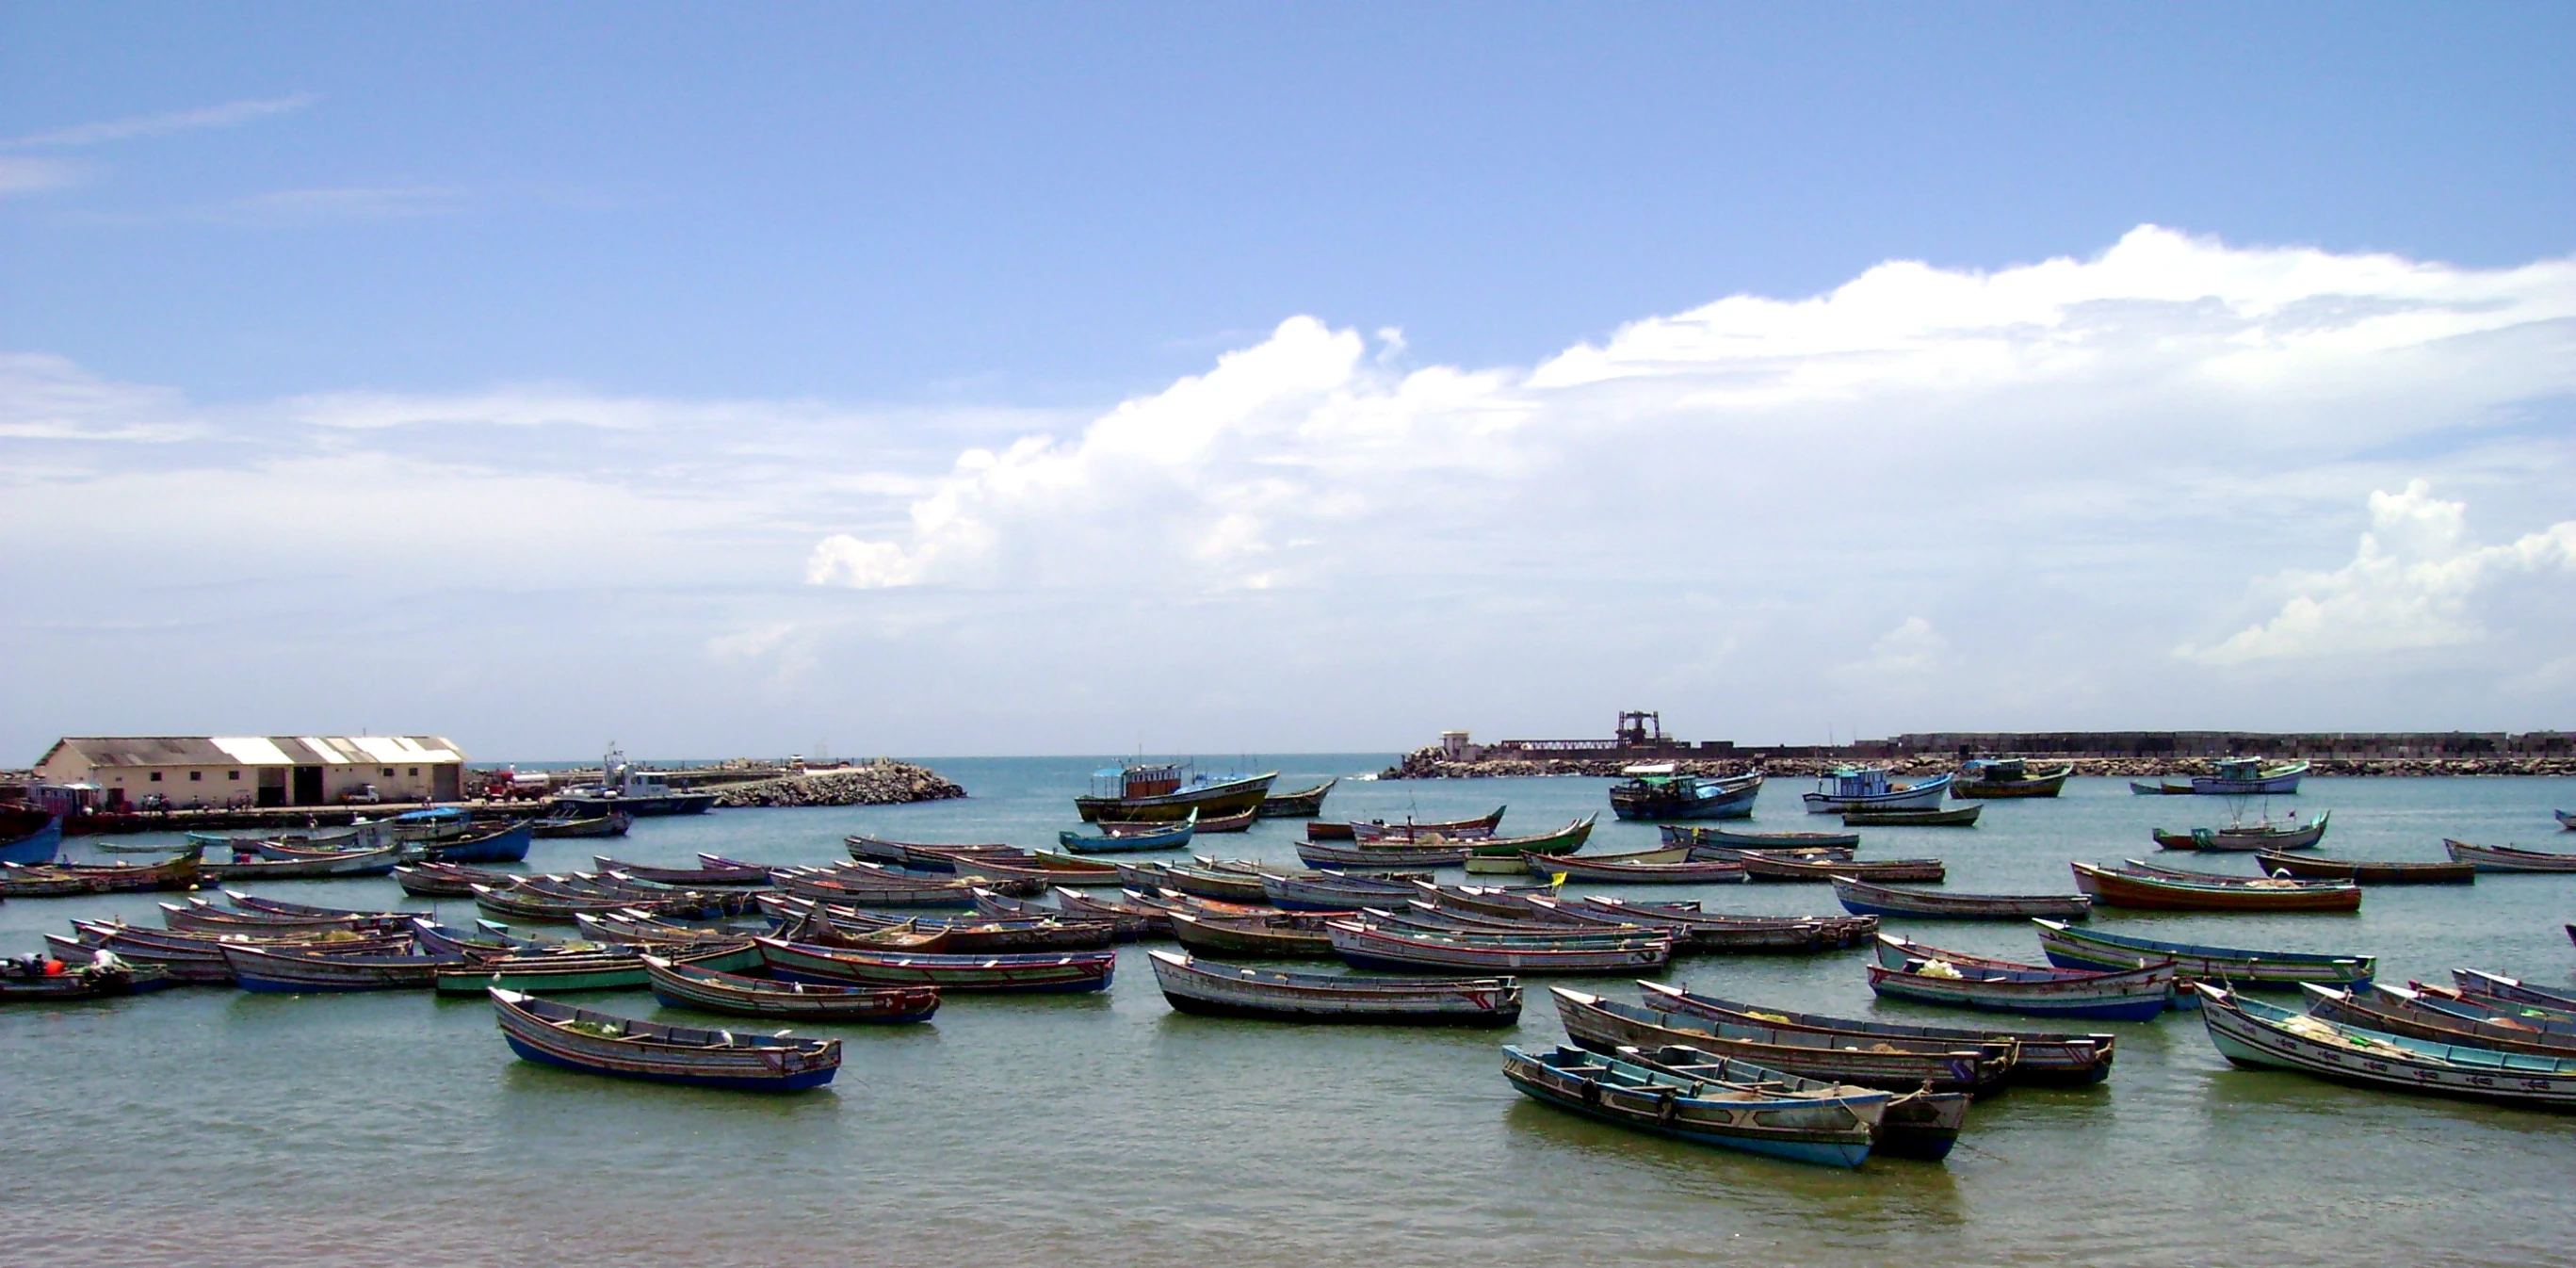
(189, 786)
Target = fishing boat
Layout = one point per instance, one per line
(555, 1034)
(249, 904)
(709, 871)
(2073, 948)
(2366, 871)
(2506, 858)
(1725, 1104)
(363, 835)
(1204, 877)
(2263, 1036)
(2399, 1011)
(1287, 936)
(1606, 1025)
(199, 916)
(1852, 788)
(307, 970)
(873, 885)
(447, 880)
(1918, 1123)
(1960, 817)
(337, 863)
(29, 835)
(1456, 829)
(613, 824)
(1169, 836)
(57, 880)
(1907, 969)
(2514, 990)
(1680, 871)
(831, 925)
(2566, 818)
(587, 966)
(2034, 1058)
(923, 856)
(1654, 792)
(199, 957)
(1305, 803)
(626, 788)
(499, 845)
(1338, 891)
(2235, 777)
(2150, 891)
(1043, 867)
(1129, 918)
(689, 986)
(1169, 792)
(1990, 778)
(1325, 854)
(835, 966)
(1504, 854)
(1763, 865)
(2247, 838)
(1861, 898)
(1373, 945)
(1696, 930)
(39, 979)
(1211, 990)
(1685, 834)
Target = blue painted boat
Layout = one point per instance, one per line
(2249, 777)
(509, 845)
(1909, 970)
(29, 835)
(554, 1034)
(1728, 1104)
(1869, 788)
(1171, 838)
(1655, 793)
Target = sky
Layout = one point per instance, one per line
(1233, 378)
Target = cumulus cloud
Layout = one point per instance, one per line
(2411, 585)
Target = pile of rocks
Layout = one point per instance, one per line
(879, 783)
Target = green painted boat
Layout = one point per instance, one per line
(605, 969)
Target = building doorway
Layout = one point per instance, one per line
(272, 787)
(308, 785)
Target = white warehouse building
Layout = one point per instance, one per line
(256, 770)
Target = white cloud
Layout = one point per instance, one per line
(229, 114)
(24, 175)
(44, 397)
(2409, 586)
(1913, 647)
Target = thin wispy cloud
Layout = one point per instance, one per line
(229, 114)
(21, 174)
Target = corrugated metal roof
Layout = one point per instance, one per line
(258, 750)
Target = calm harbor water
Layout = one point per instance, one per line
(212, 1126)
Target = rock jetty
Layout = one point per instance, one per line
(879, 783)
(1430, 762)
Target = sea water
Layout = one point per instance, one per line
(206, 1125)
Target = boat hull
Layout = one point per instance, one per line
(38, 844)
(1250, 993)
(2111, 888)
(1305, 803)
(591, 806)
(2048, 784)
(1211, 801)
(2256, 1036)
(1726, 1127)
(718, 1060)
(2275, 970)
(1684, 798)
(1923, 796)
(1863, 899)
(2491, 858)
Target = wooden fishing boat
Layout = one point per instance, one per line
(1117, 928)
(1678, 872)
(586, 967)
(1687, 835)
(29, 835)
(1169, 836)
(1144, 921)
(923, 856)
(1918, 1123)
(2366, 871)
(341, 863)
(1305, 803)
(59, 981)
(959, 935)
(2257, 1035)
(603, 1043)
(249, 903)
(303, 970)
(1209, 990)
(1565, 840)
(1426, 917)
(726, 872)
(1168, 793)
(1653, 792)
(1726, 1104)
(1762, 865)
(199, 916)
(1204, 881)
(1861, 898)
(2133, 887)
(1241, 821)
(1069, 971)
(613, 824)
(1455, 829)
(879, 888)
(2566, 818)
(2034, 1058)
(1910, 970)
(1869, 788)
(1407, 858)
(1375, 946)
(2072, 948)
(1338, 891)
(1041, 867)
(2399, 1011)
(2514, 990)
(1606, 1025)
(530, 901)
(2247, 838)
(1960, 817)
(1289, 936)
(363, 835)
(2165, 789)
(200, 957)
(2470, 1001)
(1702, 931)
(690, 986)
(1990, 778)
(447, 880)
(59, 880)
(499, 845)
(2506, 858)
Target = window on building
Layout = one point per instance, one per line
(156, 777)
(196, 777)
(387, 773)
(235, 776)
(415, 772)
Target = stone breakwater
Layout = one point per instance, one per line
(1427, 763)
(876, 784)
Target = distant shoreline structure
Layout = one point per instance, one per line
(1639, 737)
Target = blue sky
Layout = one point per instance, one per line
(659, 342)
